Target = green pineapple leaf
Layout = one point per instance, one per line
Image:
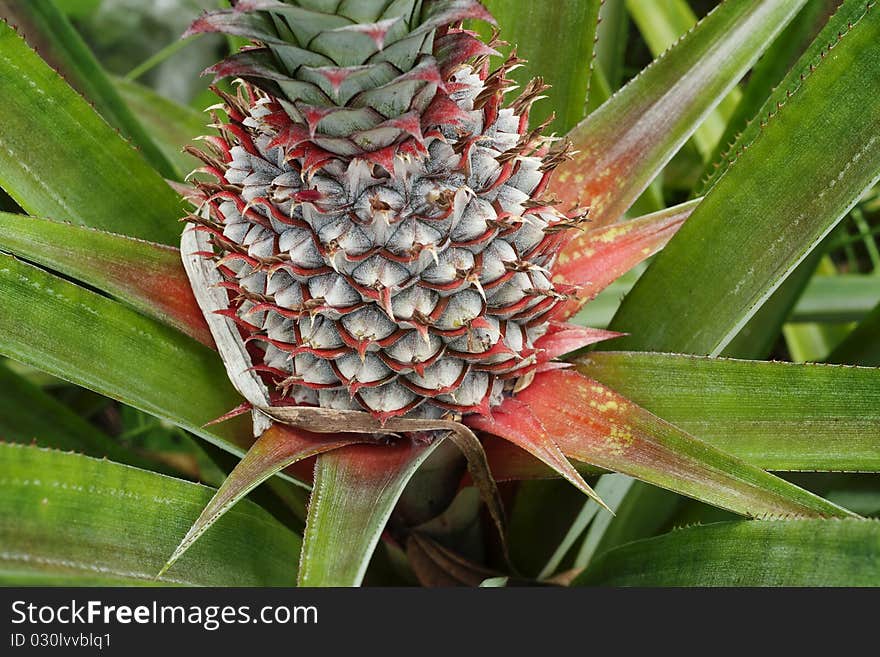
(642, 510)
(838, 298)
(662, 24)
(759, 335)
(776, 92)
(805, 171)
(279, 447)
(862, 346)
(100, 344)
(171, 124)
(777, 416)
(768, 74)
(354, 493)
(59, 159)
(626, 142)
(75, 520)
(28, 414)
(49, 32)
(527, 26)
(612, 488)
(776, 553)
(145, 275)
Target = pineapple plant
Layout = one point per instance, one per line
(390, 247)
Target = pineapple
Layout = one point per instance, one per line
(377, 211)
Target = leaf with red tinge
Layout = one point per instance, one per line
(510, 463)
(437, 14)
(236, 23)
(564, 338)
(594, 424)
(355, 490)
(278, 447)
(596, 258)
(624, 144)
(515, 422)
(145, 275)
(101, 344)
(777, 416)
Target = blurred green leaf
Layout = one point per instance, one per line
(640, 510)
(67, 519)
(533, 533)
(813, 341)
(537, 29)
(159, 57)
(77, 8)
(778, 416)
(839, 298)
(776, 553)
(810, 343)
(354, 492)
(47, 136)
(862, 346)
(626, 142)
(859, 492)
(611, 488)
(172, 125)
(27, 414)
(611, 42)
(170, 449)
(810, 165)
(48, 31)
(434, 488)
(30, 415)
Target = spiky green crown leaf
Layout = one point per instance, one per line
(359, 74)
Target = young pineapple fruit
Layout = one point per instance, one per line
(378, 214)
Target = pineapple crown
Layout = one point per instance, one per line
(354, 76)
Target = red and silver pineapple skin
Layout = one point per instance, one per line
(407, 280)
